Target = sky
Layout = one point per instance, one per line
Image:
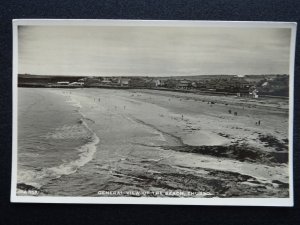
(152, 51)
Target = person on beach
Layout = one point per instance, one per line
(259, 123)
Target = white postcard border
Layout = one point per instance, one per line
(152, 200)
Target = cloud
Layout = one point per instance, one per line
(152, 51)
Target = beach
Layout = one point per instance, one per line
(140, 142)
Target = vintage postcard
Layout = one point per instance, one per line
(153, 112)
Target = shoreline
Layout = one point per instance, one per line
(197, 92)
(148, 138)
(35, 180)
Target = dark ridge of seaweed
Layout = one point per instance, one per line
(238, 152)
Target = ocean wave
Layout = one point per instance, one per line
(69, 132)
(31, 182)
(86, 153)
(37, 179)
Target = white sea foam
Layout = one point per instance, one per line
(68, 132)
(86, 153)
(28, 177)
(40, 178)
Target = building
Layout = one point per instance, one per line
(123, 82)
(77, 84)
(171, 83)
(194, 84)
(184, 84)
(106, 82)
(63, 83)
(157, 83)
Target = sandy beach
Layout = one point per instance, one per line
(153, 140)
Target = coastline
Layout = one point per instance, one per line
(162, 117)
(32, 182)
(148, 138)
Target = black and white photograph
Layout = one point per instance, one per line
(153, 112)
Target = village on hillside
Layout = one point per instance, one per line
(248, 85)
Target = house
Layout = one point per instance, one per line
(123, 82)
(106, 82)
(77, 84)
(253, 92)
(157, 83)
(194, 84)
(238, 84)
(184, 84)
(170, 83)
(115, 81)
(63, 83)
(211, 84)
(202, 84)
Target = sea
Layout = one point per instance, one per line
(63, 152)
(54, 140)
(76, 145)
(101, 142)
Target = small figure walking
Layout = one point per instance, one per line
(182, 116)
(259, 123)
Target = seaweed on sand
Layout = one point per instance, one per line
(240, 152)
(271, 141)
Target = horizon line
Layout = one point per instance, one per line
(238, 75)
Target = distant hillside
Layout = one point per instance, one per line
(196, 77)
(266, 84)
(44, 79)
(192, 77)
(277, 86)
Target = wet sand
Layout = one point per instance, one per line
(161, 141)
